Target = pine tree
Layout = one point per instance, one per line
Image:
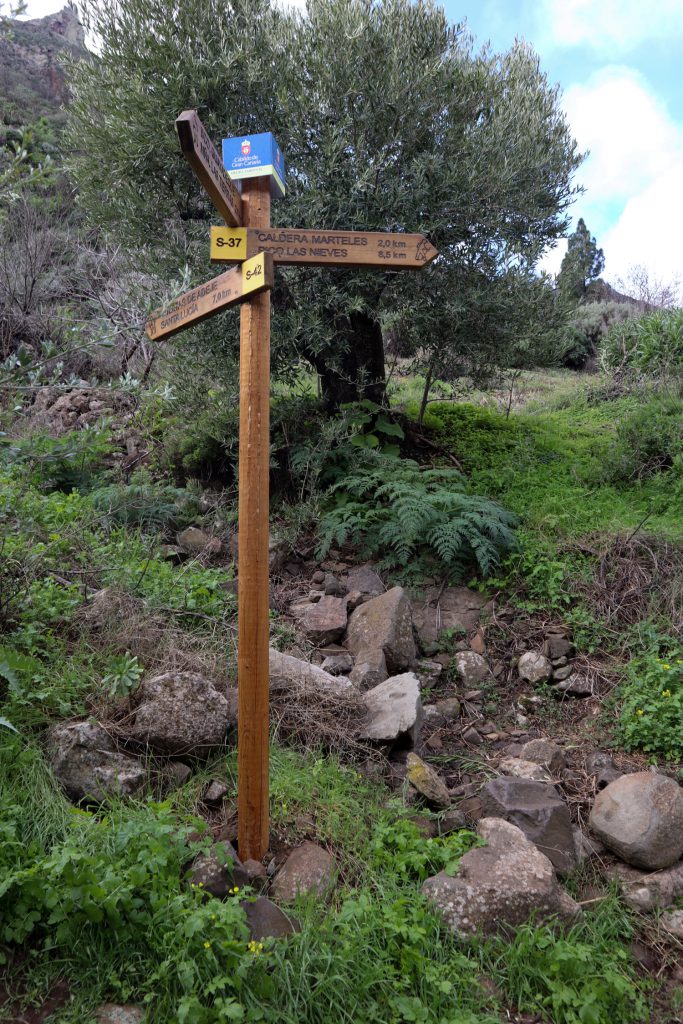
(583, 262)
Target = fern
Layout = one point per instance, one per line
(417, 520)
(152, 508)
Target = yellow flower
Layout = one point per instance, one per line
(666, 693)
(667, 667)
(640, 712)
(213, 917)
(207, 945)
(235, 890)
(255, 947)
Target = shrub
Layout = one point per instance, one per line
(651, 716)
(587, 329)
(651, 344)
(648, 441)
(152, 507)
(416, 519)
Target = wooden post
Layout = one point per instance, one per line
(252, 593)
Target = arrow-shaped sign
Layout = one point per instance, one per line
(255, 275)
(205, 161)
(312, 247)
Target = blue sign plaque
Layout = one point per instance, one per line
(253, 156)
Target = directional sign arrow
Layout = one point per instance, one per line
(312, 247)
(255, 275)
(205, 161)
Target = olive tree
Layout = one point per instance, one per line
(389, 119)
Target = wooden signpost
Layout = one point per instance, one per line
(249, 240)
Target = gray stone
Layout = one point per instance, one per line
(88, 765)
(539, 811)
(645, 890)
(214, 872)
(534, 667)
(560, 674)
(197, 542)
(449, 707)
(338, 664)
(115, 1013)
(215, 792)
(546, 753)
(183, 712)
(451, 821)
(365, 580)
(500, 886)
(369, 670)
(575, 686)
(471, 667)
(597, 760)
(557, 646)
(394, 710)
(672, 922)
(428, 672)
(318, 577)
(586, 847)
(308, 869)
(605, 776)
(453, 609)
(266, 920)
(325, 621)
(432, 717)
(288, 673)
(177, 773)
(384, 623)
(520, 769)
(427, 782)
(472, 736)
(640, 818)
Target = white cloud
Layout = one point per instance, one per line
(610, 25)
(650, 230)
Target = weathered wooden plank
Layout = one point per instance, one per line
(205, 161)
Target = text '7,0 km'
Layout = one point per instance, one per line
(247, 238)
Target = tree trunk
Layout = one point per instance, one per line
(358, 371)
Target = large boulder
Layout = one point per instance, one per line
(640, 818)
(308, 869)
(384, 623)
(183, 712)
(453, 609)
(289, 673)
(500, 886)
(539, 811)
(394, 710)
(88, 765)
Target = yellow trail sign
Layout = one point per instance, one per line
(253, 276)
(203, 158)
(391, 250)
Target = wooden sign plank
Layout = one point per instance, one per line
(205, 161)
(312, 247)
(253, 276)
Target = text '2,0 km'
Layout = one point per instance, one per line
(255, 275)
(392, 250)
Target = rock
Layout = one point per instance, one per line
(88, 765)
(643, 890)
(539, 811)
(215, 792)
(428, 672)
(183, 712)
(473, 695)
(384, 623)
(318, 577)
(472, 736)
(471, 667)
(251, 872)
(197, 542)
(278, 553)
(546, 753)
(452, 820)
(365, 580)
(432, 717)
(338, 664)
(172, 553)
(115, 1013)
(177, 773)
(449, 707)
(586, 847)
(520, 769)
(369, 670)
(477, 643)
(640, 818)
(394, 710)
(308, 869)
(288, 673)
(453, 609)
(605, 776)
(597, 760)
(560, 674)
(325, 621)
(500, 886)
(575, 686)
(557, 646)
(334, 587)
(215, 871)
(427, 782)
(534, 667)
(265, 920)
(672, 922)
(559, 662)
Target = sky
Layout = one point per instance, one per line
(618, 64)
